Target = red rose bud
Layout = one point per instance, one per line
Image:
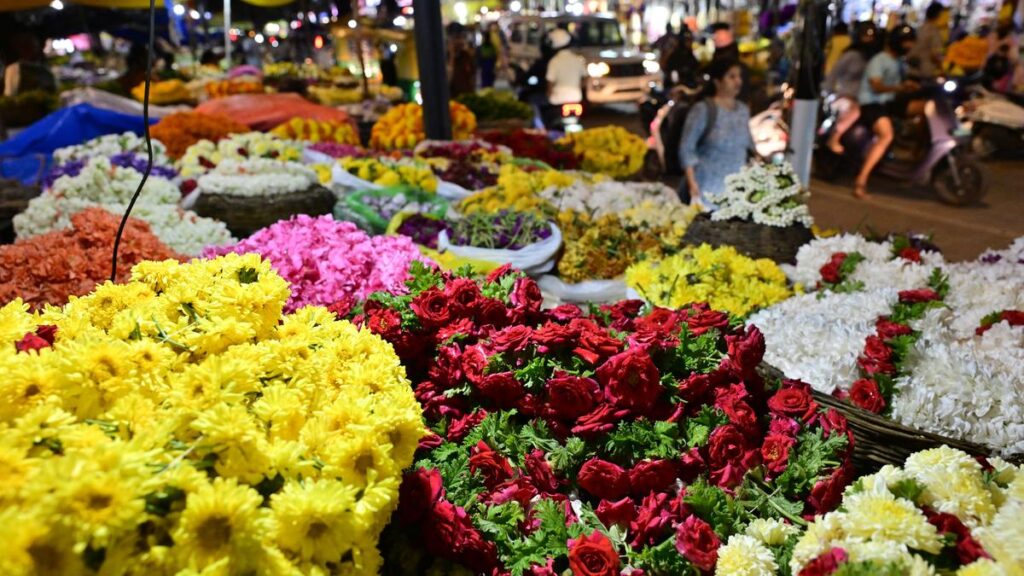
(865, 394)
(526, 296)
(784, 426)
(915, 296)
(620, 513)
(968, 549)
(746, 351)
(830, 271)
(911, 254)
(828, 492)
(603, 479)
(652, 476)
(1012, 317)
(795, 402)
(739, 413)
(499, 273)
(34, 341)
(595, 344)
(691, 465)
(570, 397)
(552, 336)
(188, 186)
(565, 312)
(698, 543)
(429, 442)
(541, 474)
(877, 357)
(492, 466)
(420, 490)
(473, 363)
(602, 419)
(654, 520)
(431, 307)
(726, 445)
(464, 295)
(449, 533)
(704, 321)
(460, 427)
(502, 388)
(593, 555)
(775, 452)
(548, 569)
(631, 380)
(833, 423)
(826, 563)
(887, 329)
(513, 338)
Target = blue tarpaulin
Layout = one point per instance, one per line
(21, 156)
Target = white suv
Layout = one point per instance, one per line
(615, 72)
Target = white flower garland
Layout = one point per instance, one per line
(250, 145)
(609, 197)
(767, 194)
(110, 145)
(257, 177)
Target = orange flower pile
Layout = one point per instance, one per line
(50, 268)
(183, 129)
(221, 88)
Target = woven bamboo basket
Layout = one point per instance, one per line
(754, 240)
(245, 215)
(14, 198)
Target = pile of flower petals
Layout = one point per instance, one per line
(327, 261)
(49, 268)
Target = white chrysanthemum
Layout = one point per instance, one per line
(885, 518)
(745, 556)
(879, 482)
(110, 145)
(767, 194)
(1003, 539)
(770, 531)
(257, 177)
(817, 539)
(881, 551)
(982, 567)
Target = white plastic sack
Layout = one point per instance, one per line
(310, 156)
(535, 259)
(597, 291)
(342, 177)
(452, 191)
(114, 103)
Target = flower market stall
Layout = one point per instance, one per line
(506, 354)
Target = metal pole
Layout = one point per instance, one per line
(808, 81)
(227, 34)
(432, 58)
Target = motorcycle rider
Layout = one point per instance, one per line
(845, 78)
(566, 71)
(883, 81)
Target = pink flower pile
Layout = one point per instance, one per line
(328, 261)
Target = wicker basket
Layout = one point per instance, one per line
(754, 240)
(14, 198)
(245, 215)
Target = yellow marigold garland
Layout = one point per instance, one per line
(391, 173)
(609, 150)
(181, 423)
(517, 190)
(401, 127)
(722, 277)
(310, 130)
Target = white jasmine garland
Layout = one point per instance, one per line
(110, 145)
(767, 194)
(257, 177)
(199, 157)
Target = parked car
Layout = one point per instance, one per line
(616, 73)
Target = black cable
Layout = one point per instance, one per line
(149, 141)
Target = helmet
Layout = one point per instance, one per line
(559, 38)
(866, 32)
(900, 35)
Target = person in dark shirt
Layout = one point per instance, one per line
(682, 67)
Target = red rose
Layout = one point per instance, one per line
(698, 543)
(659, 320)
(436, 404)
(385, 323)
(877, 357)
(968, 549)
(649, 476)
(887, 329)
(653, 520)
(502, 388)
(825, 564)
(691, 465)
(343, 307)
(548, 569)
(1011, 317)
(746, 350)
(499, 273)
(446, 370)
(600, 420)
(494, 467)
(491, 312)
(463, 296)
(526, 296)
(593, 555)
(553, 336)
(595, 344)
(420, 490)
(775, 452)
(31, 341)
(706, 320)
(622, 310)
(784, 426)
(793, 401)
(696, 386)
(570, 397)
(619, 513)
(738, 411)
(473, 363)
(833, 423)
(865, 394)
(460, 427)
(726, 445)
(630, 380)
(449, 533)
(603, 479)
(461, 328)
(565, 312)
(431, 307)
(540, 472)
(514, 338)
(518, 489)
(827, 492)
(911, 254)
(830, 271)
(915, 296)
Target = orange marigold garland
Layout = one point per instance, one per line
(183, 129)
(48, 269)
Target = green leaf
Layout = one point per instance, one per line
(550, 539)
(661, 559)
(908, 488)
(635, 440)
(568, 457)
(717, 508)
(423, 277)
(808, 460)
(699, 428)
(939, 282)
(248, 275)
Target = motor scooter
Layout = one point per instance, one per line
(932, 151)
(995, 121)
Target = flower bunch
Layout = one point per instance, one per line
(110, 145)
(205, 155)
(422, 229)
(257, 177)
(181, 130)
(722, 277)
(471, 164)
(309, 130)
(374, 210)
(326, 261)
(401, 127)
(505, 230)
(391, 172)
(851, 262)
(604, 247)
(603, 197)
(230, 87)
(767, 194)
(1014, 254)
(609, 150)
(602, 443)
(534, 145)
(181, 422)
(943, 512)
(134, 160)
(50, 268)
(100, 184)
(518, 189)
(164, 93)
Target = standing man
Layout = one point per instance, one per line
(925, 58)
(566, 70)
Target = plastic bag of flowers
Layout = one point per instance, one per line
(608, 150)
(181, 424)
(378, 207)
(327, 261)
(50, 268)
(522, 240)
(605, 442)
(944, 512)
